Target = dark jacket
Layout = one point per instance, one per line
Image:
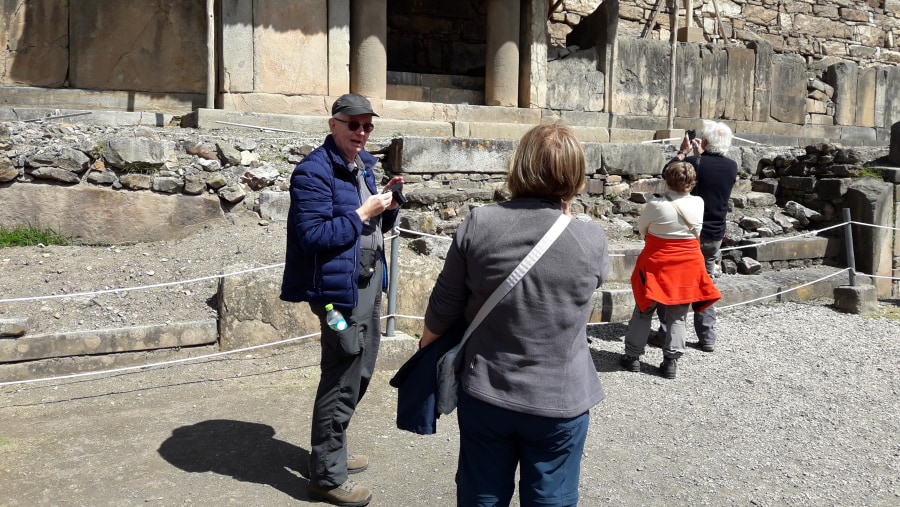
(323, 228)
(416, 383)
(716, 175)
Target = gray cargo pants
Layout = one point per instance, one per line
(348, 361)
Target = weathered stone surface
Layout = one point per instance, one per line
(229, 153)
(274, 205)
(762, 74)
(102, 177)
(640, 87)
(168, 184)
(72, 160)
(260, 177)
(858, 299)
(107, 341)
(8, 171)
(843, 76)
(739, 99)
(887, 96)
(428, 154)
(760, 199)
(194, 184)
(133, 181)
(714, 82)
(574, 83)
(290, 39)
(831, 188)
(37, 52)
(894, 155)
(101, 58)
(13, 327)
(865, 97)
(251, 312)
(149, 216)
(123, 152)
(788, 89)
(871, 202)
(232, 193)
(794, 248)
(55, 174)
(690, 84)
(632, 159)
(216, 181)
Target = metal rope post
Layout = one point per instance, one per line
(392, 283)
(848, 243)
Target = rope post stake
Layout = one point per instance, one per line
(848, 244)
(392, 284)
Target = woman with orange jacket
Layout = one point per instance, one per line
(670, 270)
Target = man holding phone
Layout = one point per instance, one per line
(335, 255)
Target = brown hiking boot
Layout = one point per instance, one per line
(357, 463)
(348, 494)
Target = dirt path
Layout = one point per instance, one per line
(785, 412)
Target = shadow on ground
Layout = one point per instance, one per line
(245, 451)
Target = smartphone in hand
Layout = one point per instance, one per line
(396, 188)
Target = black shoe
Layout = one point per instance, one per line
(656, 340)
(668, 367)
(630, 363)
(707, 347)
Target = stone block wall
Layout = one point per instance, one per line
(864, 31)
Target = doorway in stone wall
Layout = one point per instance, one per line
(436, 51)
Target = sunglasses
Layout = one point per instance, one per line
(354, 125)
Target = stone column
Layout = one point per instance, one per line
(501, 86)
(368, 48)
(338, 47)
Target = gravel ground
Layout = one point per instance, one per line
(797, 406)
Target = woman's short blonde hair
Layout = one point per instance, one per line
(680, 176)
(549, 162)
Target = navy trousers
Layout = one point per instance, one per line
(494, 441)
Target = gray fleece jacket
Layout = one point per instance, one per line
(530, 354)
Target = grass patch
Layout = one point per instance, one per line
(24, 236)
(887, 312)
(868, 172)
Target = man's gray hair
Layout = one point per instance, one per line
(717, 136)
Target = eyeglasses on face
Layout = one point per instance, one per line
(354, 125)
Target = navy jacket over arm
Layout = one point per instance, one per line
(416, 382)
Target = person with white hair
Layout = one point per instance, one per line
(716, 176)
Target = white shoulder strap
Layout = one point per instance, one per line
(517, 274)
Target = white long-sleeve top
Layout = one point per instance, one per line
(661, 219)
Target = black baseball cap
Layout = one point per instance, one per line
(352, 104)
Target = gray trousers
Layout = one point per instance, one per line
(639, 330)
(348, 361)
(705, 321)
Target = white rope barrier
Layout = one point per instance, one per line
(718, 308)
(785, 238)
(159, 364)
(877, 276)
(289, 340)
(875, 226)
(281, 264)
(140, 287)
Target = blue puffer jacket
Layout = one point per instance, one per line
(323, 228)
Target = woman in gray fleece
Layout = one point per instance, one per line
(528, 380)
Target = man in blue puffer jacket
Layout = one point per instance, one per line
(335, 254)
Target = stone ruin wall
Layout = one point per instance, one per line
(864, 31)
